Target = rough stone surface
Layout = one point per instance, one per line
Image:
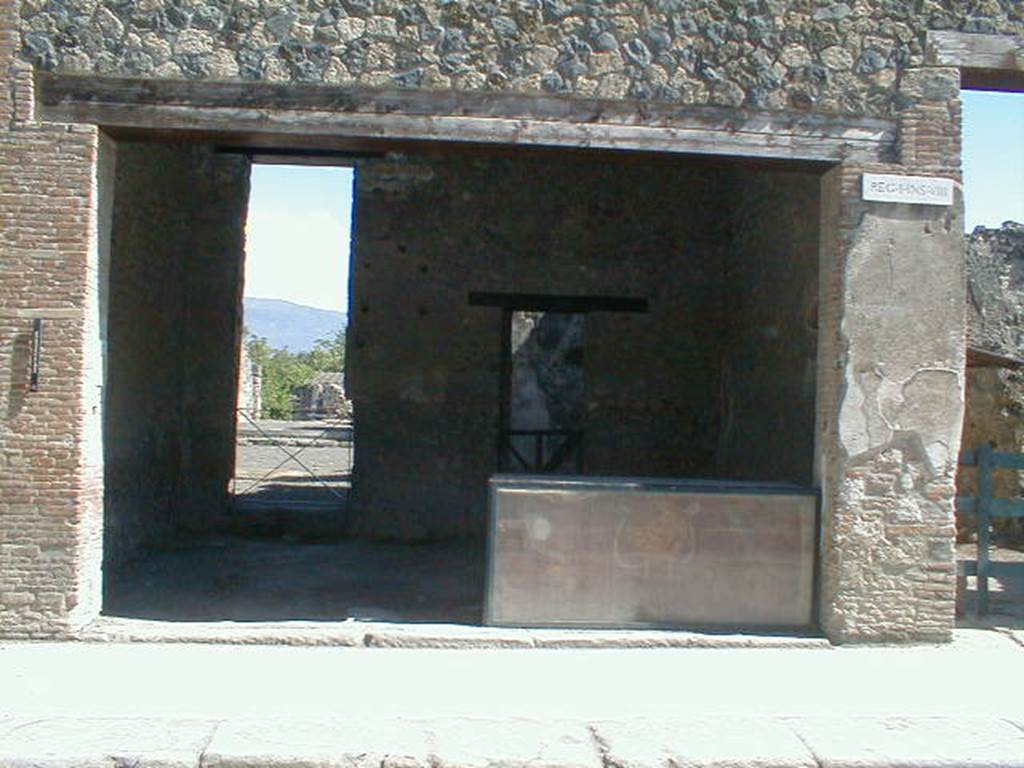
(836, 57)
(323, 398)
(250, 387)
(217, 226)
(994, 414)
(306, 633)
(890, 387)
(995, 395)
(453, 637)
(424, 374)
(898, 428)
(995, 289)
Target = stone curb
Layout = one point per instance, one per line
(722, 742)
(92, 743)
(897, 742)
(441, 636)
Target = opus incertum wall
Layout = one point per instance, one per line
(808, 55)
(869, 86)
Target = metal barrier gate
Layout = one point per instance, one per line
(298, 464)
(985, 507)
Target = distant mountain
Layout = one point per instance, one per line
(292, 326)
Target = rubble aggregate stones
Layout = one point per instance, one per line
(713, 43)
(995, 396)
(995, 259)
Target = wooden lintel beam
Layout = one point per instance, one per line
(538, 302)
(965, 49)
(259, 109)
(1004, 80)
(986, 62)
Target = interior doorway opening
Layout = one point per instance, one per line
(293, 457)
(688, 348)
(543, 383)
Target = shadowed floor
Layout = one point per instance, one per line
(230, 578)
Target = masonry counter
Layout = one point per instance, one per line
(644, 552)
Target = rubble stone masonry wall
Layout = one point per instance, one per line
(839, 57)
(995, 395)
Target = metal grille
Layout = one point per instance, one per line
(305, 464)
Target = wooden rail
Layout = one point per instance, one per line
(985, 507)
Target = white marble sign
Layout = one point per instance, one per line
(915, 190)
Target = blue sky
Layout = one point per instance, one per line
(299, 216)
(298, 235)
(993, 156)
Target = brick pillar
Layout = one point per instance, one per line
(891, 385)
(50, 479)
(10, 41)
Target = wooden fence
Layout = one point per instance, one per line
(985, 507)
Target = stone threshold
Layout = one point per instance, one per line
(367, 634)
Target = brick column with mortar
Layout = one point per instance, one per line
(891, 384)
(50, 452)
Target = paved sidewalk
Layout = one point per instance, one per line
(168, 705)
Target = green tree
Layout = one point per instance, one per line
(328, 353)
(284, 372)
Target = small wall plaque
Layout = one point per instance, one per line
(37, 350)
(913, 190)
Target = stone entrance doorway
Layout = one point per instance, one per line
(658, 316)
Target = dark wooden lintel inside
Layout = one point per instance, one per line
(538, 302)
